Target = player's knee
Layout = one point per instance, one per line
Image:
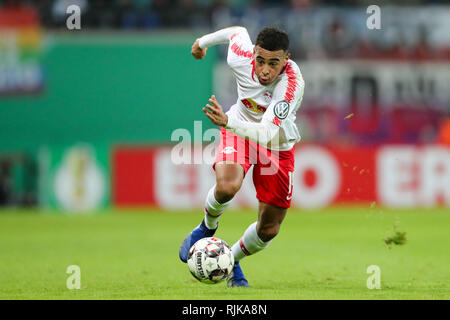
(225, 190)
(267, 233)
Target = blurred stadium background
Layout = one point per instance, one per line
(87, 116)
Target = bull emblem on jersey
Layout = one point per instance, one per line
(281, 109)
(252, 105)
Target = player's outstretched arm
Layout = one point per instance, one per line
(221, 36)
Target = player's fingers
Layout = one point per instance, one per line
(212, 108)
(208, 112)
(211, 117)
(214, 103)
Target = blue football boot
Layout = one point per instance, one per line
(198, 233)
(237, 278)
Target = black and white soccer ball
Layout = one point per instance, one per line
(210, 260)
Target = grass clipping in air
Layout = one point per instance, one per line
(397, 238)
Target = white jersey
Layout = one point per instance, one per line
(273, 106)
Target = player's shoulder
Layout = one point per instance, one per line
(240, 35)
(240, 48)
(292, 70)
(291, 75)
(291, 82)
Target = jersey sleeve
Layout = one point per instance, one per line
(262, 132)
(240, 48)
(223, 36)
(286, 97)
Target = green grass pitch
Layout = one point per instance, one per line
(133, 254)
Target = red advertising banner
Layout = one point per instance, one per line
(133, 176)
(391, 175)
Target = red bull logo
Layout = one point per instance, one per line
(252, 105)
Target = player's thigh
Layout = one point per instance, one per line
(229, 177)
(273, 180)
(270, 218)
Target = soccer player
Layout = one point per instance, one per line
(258, 130)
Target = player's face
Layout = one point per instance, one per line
(268, 64)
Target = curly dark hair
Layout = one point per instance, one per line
(272, 39)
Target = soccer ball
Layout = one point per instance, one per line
(210, 260)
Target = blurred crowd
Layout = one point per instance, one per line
(180, 13)
(318, 28)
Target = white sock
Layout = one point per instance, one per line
(213, 209)
(249, 244)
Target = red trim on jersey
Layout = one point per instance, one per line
(241, 53)
(276, 121)
(243, 248)
(284, 68)
(292, 83)
(233, 35)
(253, 69)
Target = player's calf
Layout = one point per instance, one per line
(269, 221)
(225, 190)
(229, 177)
(267, 232)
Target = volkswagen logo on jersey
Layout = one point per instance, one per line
(281, 109)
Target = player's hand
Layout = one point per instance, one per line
(215, 112)
(197, 52)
